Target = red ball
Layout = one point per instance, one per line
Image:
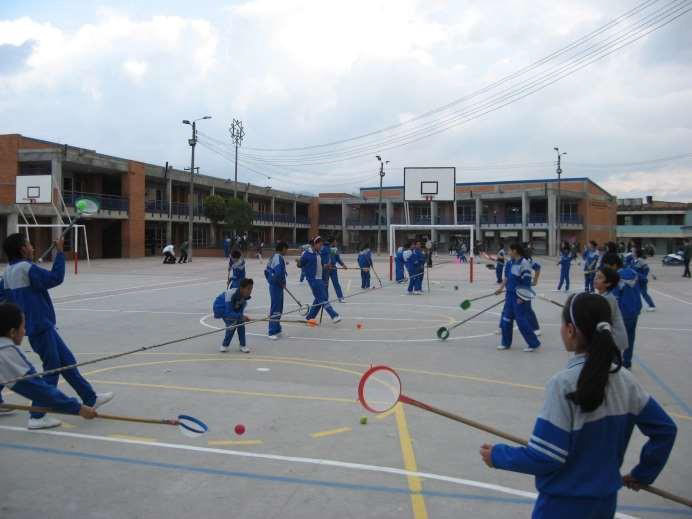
(239, 429)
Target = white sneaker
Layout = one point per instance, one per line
(651, 309)
(537, 332)
(498, 332)
(274, 337)
(337, 319)
(502, 347)
(223, 349)
(102, 399)
(43, 423)
(342, 300)
(244, 349)
(528, 349)
(557, 290)
(6, 412)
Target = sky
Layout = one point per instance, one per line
(476, 85)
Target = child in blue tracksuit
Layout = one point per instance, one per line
(415, 264)
(500, 263)
(590, 258)
(230, 306)
(311, 262)
(629, 300)
(13, 364)
(325, 257)
(302, 271)
(517, 274)
(642, 269)
(533, 320)
(236, 269)
(399, 262)
(27, 285)
(581, 435)
(565, 263)
(365, 263)
(332, 272)
(461, 253)
(276, 277)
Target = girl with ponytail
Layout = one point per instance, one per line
(580, 437)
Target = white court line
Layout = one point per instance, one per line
(136, 291)
(118, 310)
(125, 288)
(671, 297)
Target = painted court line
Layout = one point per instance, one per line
(671, 297)
(330, 432)
(58, 299)
(234, 442)
(676, 398)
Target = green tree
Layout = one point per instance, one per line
(239, 215)
(214, 208)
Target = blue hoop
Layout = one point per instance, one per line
(202, 426)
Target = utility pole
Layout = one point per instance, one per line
(192, 142)
(237, 134)
(559, 208)
(379, 208)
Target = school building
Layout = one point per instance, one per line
(664, 225)
(517, 210)
(142, 206)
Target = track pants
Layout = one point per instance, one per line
(276, 308)
(533, 321)
(230, 332)
(631, 328)
(334, 276)
(514, 309)
(564, 277)
(569, 507)
(364, 278)
(644, 288)
(498, 271)
(54, 353)
(588, 282)
(318, 290)
(399, 272)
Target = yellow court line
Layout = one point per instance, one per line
(129, 437)
(384, 415)
(235, 442)
(330, 432)
(67, 425)
(681, 416)
(415, 484)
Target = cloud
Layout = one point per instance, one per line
(673, 185)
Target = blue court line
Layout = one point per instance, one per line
(314, 482)
(649, 371)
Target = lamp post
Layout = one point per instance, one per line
(379, 208)
(192, 142)
(559, 172)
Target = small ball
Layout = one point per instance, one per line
(363, 420)
(312, 323)
(359, 326)
(456, 287)
(239, 429)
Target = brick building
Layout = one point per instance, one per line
(664, 225)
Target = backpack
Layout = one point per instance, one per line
(219, 306)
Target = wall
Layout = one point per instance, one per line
(133, 183)
(314, 217)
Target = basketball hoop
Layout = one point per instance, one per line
(30, 200)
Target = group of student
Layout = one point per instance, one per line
(411, 257)
(169, 253)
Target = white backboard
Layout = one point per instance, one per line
(37, 187)
(437, 183)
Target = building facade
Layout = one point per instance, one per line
(664, 225)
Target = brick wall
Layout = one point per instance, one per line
(314, 217)
(133, 228)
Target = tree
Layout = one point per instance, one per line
(214, 208)
(239, 215)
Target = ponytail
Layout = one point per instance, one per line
(591, 316)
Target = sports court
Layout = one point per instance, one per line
(305, 453)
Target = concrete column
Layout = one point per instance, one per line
(56, 172)
(524, 216)
(273, 233)
(390, 217)
(12, 221)
(295, 216)
(454, 217)
(213, 190)
(552, 223)
(433, 220)
(479, 210)
(169, 232)
(345, 238)
(169, 199)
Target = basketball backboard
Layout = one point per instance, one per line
(422, 184)
(34, 189)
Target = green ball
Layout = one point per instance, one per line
(363, 420)
(81, 205)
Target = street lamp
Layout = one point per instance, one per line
(559, 172)
(379, 208)
(192, 142)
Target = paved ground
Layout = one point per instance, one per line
(305, 454)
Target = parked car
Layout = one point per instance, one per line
(673, 259)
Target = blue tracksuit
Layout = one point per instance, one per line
(642, 269)
(630, 303)
(399, 265)
(325, 257)
(276, 277)
(415, 264)
(333, 274)
(461, 253)
(365, 263)
(27, 285)
(576, 456)
(590, 258)
(500, 264)
(14, 364)
(533, 320)
(565, 263)
(233, 315)
(312, 265)
(518, 274)
(237, 268)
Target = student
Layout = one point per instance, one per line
(517, 274)
(642, 269)
(230, 305)
(605, 282)
(311, 262)
(302, 270)
(581, 435)
(236, 269)
(365, 263)
(416, 267)
(276, 277)
(565, 263)
(686, 256)
(325, 258)
(13, 364)
(169, 254)
(27, 285)
(226, 246)
(461, 253)
(260, 247)
(333, 273)
(500, 262)
(406, 255)
(590, 258)
(399, 262)
(184, 247)
(629, 301)
(533, 320)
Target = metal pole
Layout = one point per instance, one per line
(193, 142)
(379, 211)
(235, 178)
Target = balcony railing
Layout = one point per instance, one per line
(302, 219)
(466, 219)
(106, 202)
(183, 210)
(571, 219)
(156, 206)
(538, 218)
(334, 220)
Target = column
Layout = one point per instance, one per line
(169, 201)
(213, 190)
(133, 183)
(12, 221)
(273, 233)
(524, 216)
(454, 217)
(433, 220)
(479, 210)
(552, 223)
(346, 239)
(56, 172)
(390, 217)
(295, 220)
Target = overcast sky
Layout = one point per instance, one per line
(119, 77)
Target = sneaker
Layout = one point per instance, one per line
(502, 347)
(43, 423)
(342, 300)
(274, 337)
(498, 332)
(651, 309)
(557, 290)
(6, 412)
(102, 399)
(529, 349)
(244, 349)
(337, 319)
(537, 332)
(223, 349)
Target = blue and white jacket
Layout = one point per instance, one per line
(565, 260)
(415, 263)
(14, 364)
(311, 263)
(27, 285)
(628, 293)
(237, 268)
(235, 304)
(500, 258)
(641, 267)
(335, 257)
(276, 270)
(365, 259)
(518, 274)
(399, 257)
(590, 258)
(579, 454)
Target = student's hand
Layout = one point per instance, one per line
(59, 244)
(87, 412)
(246, 318)
(631, 483)
(487, 454)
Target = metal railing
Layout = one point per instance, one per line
(106, 202)
(156, 206)
(571, 219)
